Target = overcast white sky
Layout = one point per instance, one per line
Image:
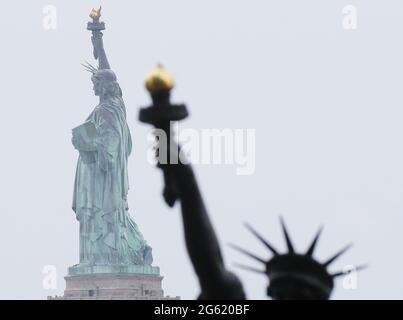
(326, 104)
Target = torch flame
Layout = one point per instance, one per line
(95, 14)
(159, 80)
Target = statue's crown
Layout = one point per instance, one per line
(294, 275)
(159, 80)
(103, 74)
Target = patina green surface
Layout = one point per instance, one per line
(113, 269)
(108, 236)
(110, 241)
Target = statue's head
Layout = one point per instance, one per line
(105, 83)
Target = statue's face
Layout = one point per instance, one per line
(97, 85)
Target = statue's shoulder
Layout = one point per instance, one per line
(104, 114)
(103, 109)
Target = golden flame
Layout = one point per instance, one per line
(95, 14)
(159, 80)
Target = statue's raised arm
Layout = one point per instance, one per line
(216, 281)
(96, 27)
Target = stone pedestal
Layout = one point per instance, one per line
(114, 283)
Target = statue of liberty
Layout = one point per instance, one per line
(108, 236)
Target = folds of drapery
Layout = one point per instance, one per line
(101, 188)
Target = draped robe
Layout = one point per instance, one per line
(108, 236)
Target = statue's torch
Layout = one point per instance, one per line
(95, 24)
(96, 27)
(160, 114)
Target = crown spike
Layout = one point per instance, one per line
(314, 242)
(247, 253)
(89, 67)
(328, 262)
(90, 71)
(287, 237)
(257, 235)
(86, 67)
(241, 266)
(342, 273)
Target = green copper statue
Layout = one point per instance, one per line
(108, 236)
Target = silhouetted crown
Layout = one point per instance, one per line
(293, 275)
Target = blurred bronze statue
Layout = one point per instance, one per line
(291, 275)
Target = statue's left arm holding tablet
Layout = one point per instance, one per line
(84, 140)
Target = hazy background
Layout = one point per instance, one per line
(326, 104)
